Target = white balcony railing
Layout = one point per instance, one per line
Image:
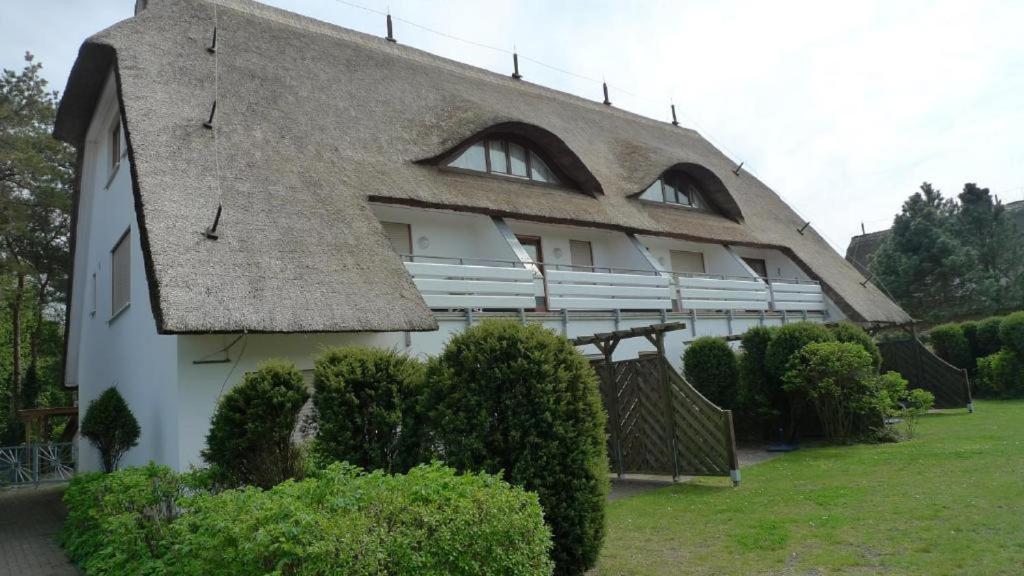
(722, 293)
(800, 296)
(594, 290)
(483, 284)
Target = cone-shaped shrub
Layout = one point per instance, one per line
(523, 400)
(110, 425)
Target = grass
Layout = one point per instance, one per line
(949, 501)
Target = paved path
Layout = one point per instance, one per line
(29, 521)
(634, 484)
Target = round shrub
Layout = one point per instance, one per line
(710, 366)
(989, 341)
(970, 330)
(838, 378)
(250, 438)
(788, 340)
(111, 427)
(1011, 332)
(363, 396)
(521, 399)
(754, 395)
(1001, 375)
(849, 332)
(951, 345)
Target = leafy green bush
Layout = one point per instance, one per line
(710, 366)
(755, 395)
(1001, 375)
(849, 332)
(951, 345)
(788, 340)
(340, 521)
(363, 398)
(838, 378)
(250, 438)
(1011, 332)
(989, 341)
(916, 403)
(521, 399)
(110, 426)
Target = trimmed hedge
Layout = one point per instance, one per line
(1011, 333)
(951, 345)
(111, 427)
(989, 341)
(339, 521)
(364, 402)
(521, 399)
(849, 332)
(1001, 375)
(787, 341)
(250, 438)
(753, 395)
(710, 366)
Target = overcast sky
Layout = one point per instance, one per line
(843, 108)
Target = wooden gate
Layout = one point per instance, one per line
(657, 422)
(923, 369)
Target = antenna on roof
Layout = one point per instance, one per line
(515, 65)
(211, 232)
(675, 122)
(607, 102)
(738, 168)
(209, 122)
(212, 49)
(804, 227)
(862, 230)
(391, 36)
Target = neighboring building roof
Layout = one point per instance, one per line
(862, 248)
(315, 120)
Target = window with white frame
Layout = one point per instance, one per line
(120, 275)
(677, 189)
(505, 157)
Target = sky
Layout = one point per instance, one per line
(843, 108)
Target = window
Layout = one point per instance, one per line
(400, 236)
(687, 262)
(759, 266)
(120, 275)
(675, 188)
(505, 157)
(115, 146)
(581, 255)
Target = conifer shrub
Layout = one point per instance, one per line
(250, 438)
(111, 427)
(365, 403)
(710, 366)
(951, 345)
(849, 332)
(1011, 333)
(988, 338)
(970, 330)
(755, 393)
(522, 400)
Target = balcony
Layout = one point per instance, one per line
(797, 296)
(718, 292)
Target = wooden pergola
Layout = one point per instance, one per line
(39, 419)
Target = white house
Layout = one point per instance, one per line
(256, 184)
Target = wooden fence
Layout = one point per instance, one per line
(659, 424)
(923, 369)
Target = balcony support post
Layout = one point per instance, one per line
(618, 318)
(728, 319)
(469, 317)
(693, 322)
(565, 322)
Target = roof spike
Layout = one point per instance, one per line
(515, 66)
(211, 232)
(607, 102)
(804, 227)
(738, 168)
(391, 36)
(209, 122)
(212, 48)
(675, 122)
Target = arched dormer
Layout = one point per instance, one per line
(520, 151)
(692, 186)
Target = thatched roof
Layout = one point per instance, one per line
(316, 120)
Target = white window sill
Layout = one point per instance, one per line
(118, 314)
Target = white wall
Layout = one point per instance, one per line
(448, 234)
(717, 259)
(611, 249)
(124, 351)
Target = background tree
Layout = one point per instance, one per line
(36, 175)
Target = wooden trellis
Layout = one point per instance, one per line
(657, 422)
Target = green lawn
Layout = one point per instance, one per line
(950, 501)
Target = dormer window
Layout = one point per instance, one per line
(505, 157)
(675, 188)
